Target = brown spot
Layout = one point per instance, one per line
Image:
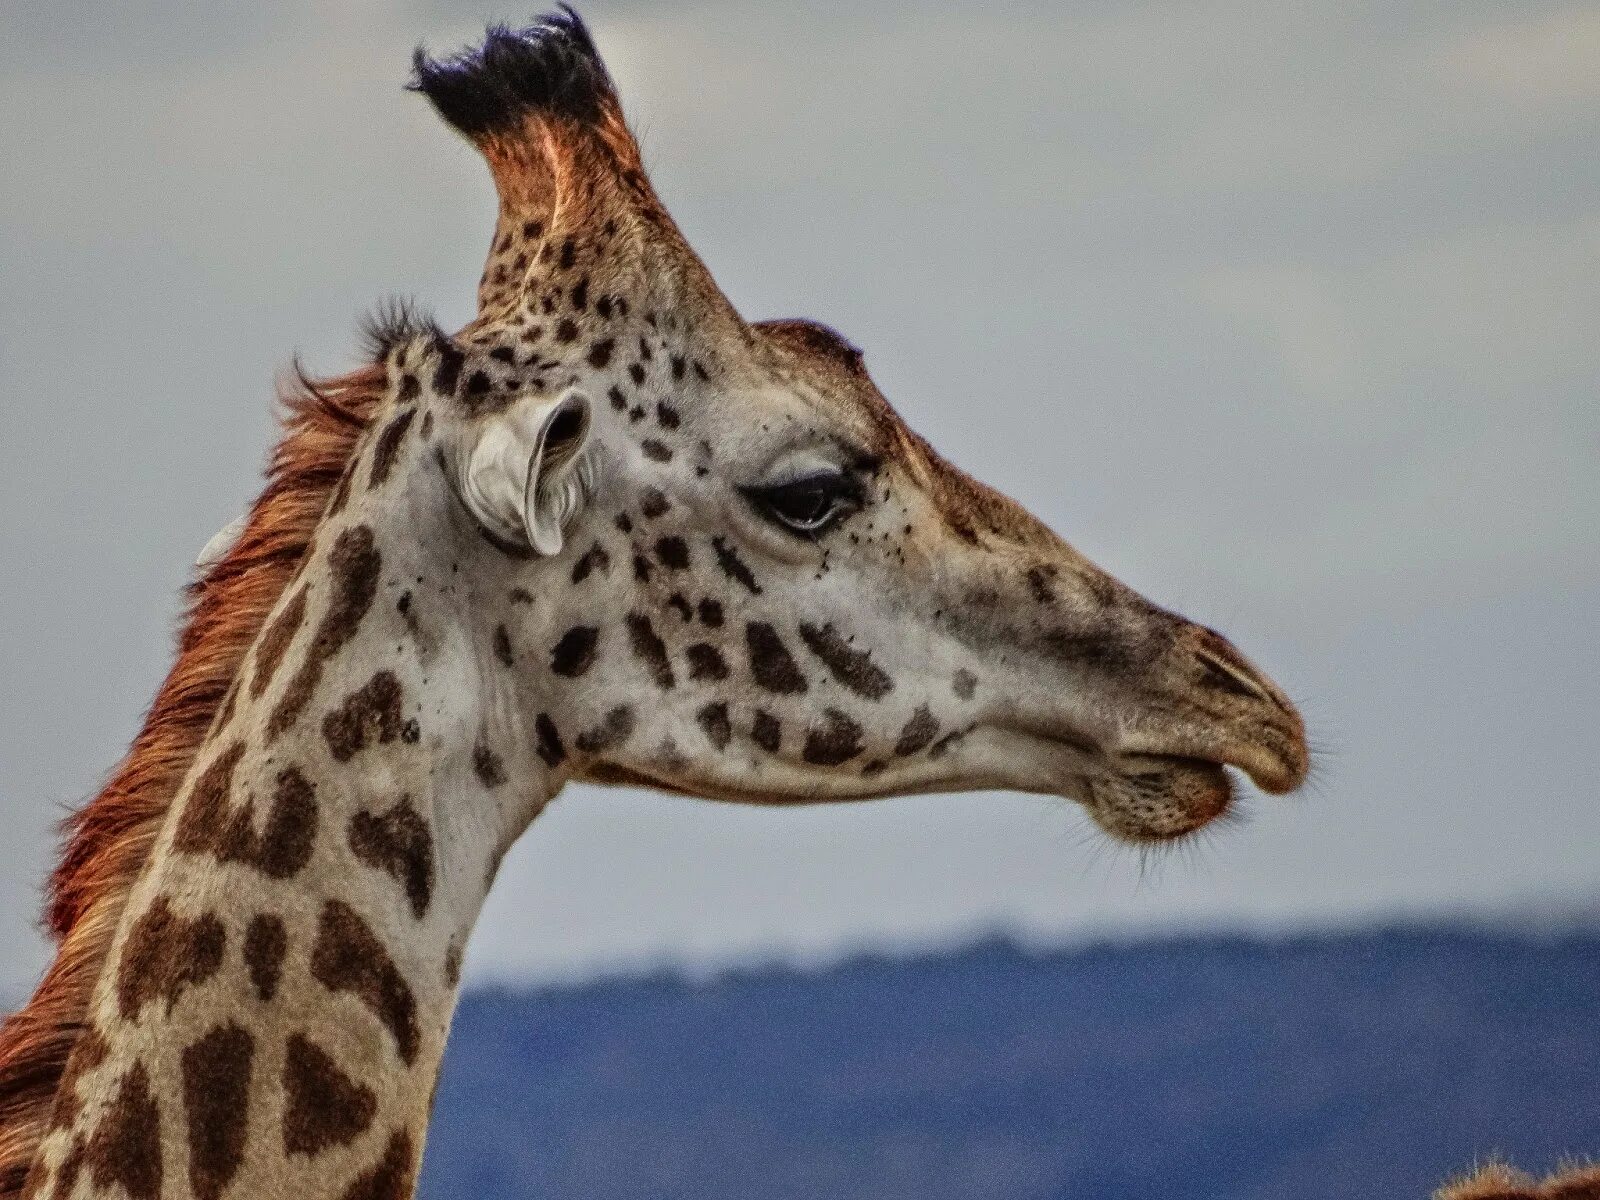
(452, 965)
(771, 663)
(275, 641)
(652, 503)
(713, 719)
(963, 684)
(265, 943)
(595, 559)
(574, 653)
(322, 1106)
(706, 662)
(655, 451)
(487, 766)
(567, 330)
(126, 1147)
(918, 733)
(766, 732)
(88, 1052)
(164, 954)
(400, 844)
(710, 613)
(1041, 582)
(837, 740)
(548, 744)
(354, 565)
(447, 376)
(388, 446)
(371, 713)
(616, 728)
(851, 667)
(391, 1177)
(667, 415)
(208, 825)
(734, 567)
(600, 353)
(216, 1102)
(502, 646)
(649, 649)
(348, 957)
(673, 552)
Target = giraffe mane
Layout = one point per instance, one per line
(106, 843)
(551, 68)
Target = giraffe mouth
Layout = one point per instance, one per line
(1156, 798)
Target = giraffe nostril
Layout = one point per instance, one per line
(1217, 672)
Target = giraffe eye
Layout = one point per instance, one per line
(809, 506)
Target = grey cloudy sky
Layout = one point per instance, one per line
(1284, 312)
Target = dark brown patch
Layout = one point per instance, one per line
(673, 553)
(713, 719)
(208, 825)
(679, 604)
(652, 503)
(391, 1177)
(567, 330)
(370, 714)
(574, 653)
(771, 663)
(766, 731)
(348, 957)
(667, 415)
(216, 1103)
(837, 740)
(452, 966)
(706, 662)
(488, 766)
(1041, 582)
(447, 376)
(354, 565)
(963, 683)
(600, 353)
(616, 728)
(502, 647)
(275, 641)
(733, 566)
(656, 451)
(549, 744)
(87, 1054)
(851, 667)
(388, 446)
(125, 1150)
(918, 733)
(266, 941)
(710, 613)
(322, 1106)
(400, 844)
(594, 559)
(164, 954)
(649, 649)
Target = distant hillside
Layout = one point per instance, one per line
(1359, 1067)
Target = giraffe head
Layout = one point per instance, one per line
(715, 561)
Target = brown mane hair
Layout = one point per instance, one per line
(106, 842)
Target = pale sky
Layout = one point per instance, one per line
(1286, 313)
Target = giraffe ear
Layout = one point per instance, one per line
(525, 475)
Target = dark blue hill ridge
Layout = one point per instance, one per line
(1366, 1065)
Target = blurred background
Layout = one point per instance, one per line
(1283, 313)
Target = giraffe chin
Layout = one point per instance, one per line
(1158, 798)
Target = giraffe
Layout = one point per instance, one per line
(608, 532)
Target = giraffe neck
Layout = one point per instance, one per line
(274, 1010)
